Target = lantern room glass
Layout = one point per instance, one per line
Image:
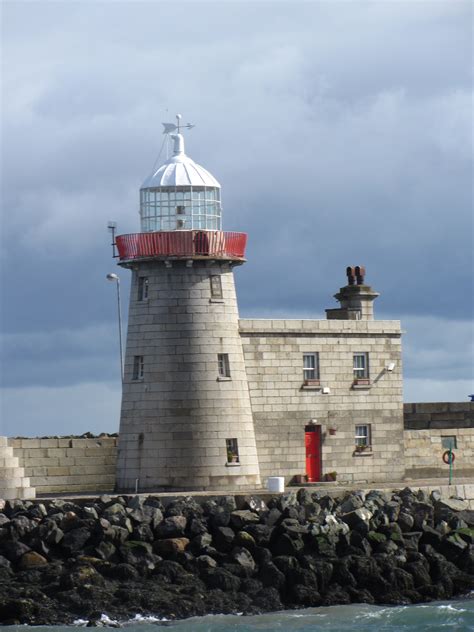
(180, 208)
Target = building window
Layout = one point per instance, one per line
(142, 288)
(216, 286)
(223, 366)
(361, 366)
(449, 443)
(310, 367)
(363, 440)
(232, 448)
(138, 368)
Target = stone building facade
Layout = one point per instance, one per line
(286, 407)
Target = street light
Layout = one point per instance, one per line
(114, 277)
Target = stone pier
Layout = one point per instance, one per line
(13, 482)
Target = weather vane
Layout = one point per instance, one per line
(171, 127)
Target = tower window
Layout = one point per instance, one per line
(310, 367)
(180, 210)
(142, 288)
(362, 436)
(138, 368)
(216, 286)
(232, 448)
(223, 366)
(361, 366)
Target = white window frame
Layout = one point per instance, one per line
(363, 436)
(138, 368)
(360, 369)
(223, 366)
(310, 367)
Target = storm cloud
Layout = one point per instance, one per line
(341, 134)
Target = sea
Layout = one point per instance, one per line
(438, 616)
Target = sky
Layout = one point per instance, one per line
(341, 134)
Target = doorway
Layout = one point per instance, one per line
(312, 435)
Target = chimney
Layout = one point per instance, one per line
(356, 298)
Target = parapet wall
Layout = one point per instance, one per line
(66, 464)
(429, 429)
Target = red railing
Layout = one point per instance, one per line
(181, 243)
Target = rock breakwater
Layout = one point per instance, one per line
(61, 560)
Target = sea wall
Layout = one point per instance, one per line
(63, 464)
(61, 560)
(430, 428)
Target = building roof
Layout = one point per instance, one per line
(180, 170)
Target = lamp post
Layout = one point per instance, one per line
(114, 277)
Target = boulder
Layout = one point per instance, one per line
(241, 518)
(31, 560)
(171, 527)
(170, 546)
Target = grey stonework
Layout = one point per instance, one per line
(437, 415)
(282, 406)
(175, 421)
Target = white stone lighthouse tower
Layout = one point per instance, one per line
(186, 420)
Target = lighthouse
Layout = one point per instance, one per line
(186, 418)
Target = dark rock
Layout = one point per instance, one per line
(205, 561)
(241, 518)
(268, 600)
(75, 540)
(220, 578)
(287, 545)
(336, 596)
(170, 546)
(244, 539)
(142, 533)
(271, 576)
(406, 521)
(223, 538)
(13, 549)
(243, 557)
(423, 513)
(305, 596)
(350, 503)
(172, 527)
(254, 504)
(261, 533)
(220, 517)
(30, 560)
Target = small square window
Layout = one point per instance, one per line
(180, 210)
(142, 288)
(361, 366)
(449, 443)
(216, 286)
(223, 365)
(232, 448)
(138, 368)
(363, 437)
(310, 367)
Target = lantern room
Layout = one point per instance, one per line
(180, 195)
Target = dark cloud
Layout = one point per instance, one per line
(339, 137)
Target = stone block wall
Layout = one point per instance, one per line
(71, 465)
(427, 425)
(282, 406)
(179, 414)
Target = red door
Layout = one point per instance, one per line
(313, 453)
